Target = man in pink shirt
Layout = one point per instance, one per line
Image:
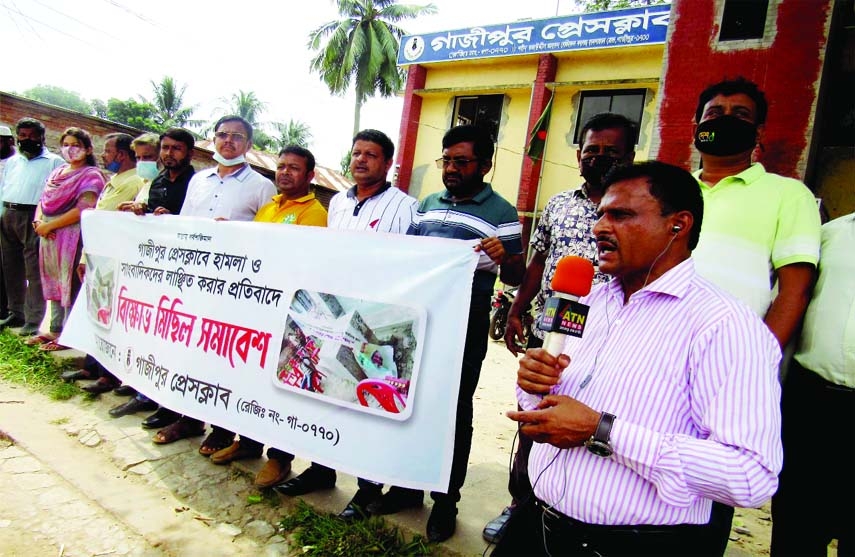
(668, 402)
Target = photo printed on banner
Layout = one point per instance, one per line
(355, 353)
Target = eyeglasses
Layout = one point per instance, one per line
(457, 162)
(234, 136)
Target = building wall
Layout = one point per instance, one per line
(606, 69)
(786, 64)
(443, 83)
(615, 68)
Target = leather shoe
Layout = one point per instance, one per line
(357, 508)
(12, 321)
(397, 499)
(235, 451)
(312, 479)
(131, 406)
(99, 387)
(442, 521)
(495, 528)
(272, 473)
(28, 329)
(162, 418)
(125, 390)
(71, 376)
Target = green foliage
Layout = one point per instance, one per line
(58, 96)
(27, 365)
(168, 103)
(345, 165)
(610, 5)
(362, 48)
(133, 113)
(294, 132)
(325, 535)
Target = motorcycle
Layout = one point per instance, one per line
(499, 317)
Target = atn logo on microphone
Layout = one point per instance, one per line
(564, 316)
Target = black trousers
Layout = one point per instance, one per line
(520, 488)
(815, 502)
(534, 530)
(19, 245)
(519, 484)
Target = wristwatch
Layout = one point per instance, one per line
(599, 441)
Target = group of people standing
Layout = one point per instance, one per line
(640, 437)
(645, 433)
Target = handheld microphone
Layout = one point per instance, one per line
(563, 315)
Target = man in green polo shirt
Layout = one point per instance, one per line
(761, 231)
(759, 228)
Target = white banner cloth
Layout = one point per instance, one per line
(340, 347)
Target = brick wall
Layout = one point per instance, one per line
(57, 119)
(786, 64)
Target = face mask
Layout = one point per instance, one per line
(5, 151)
(147, 170)
(725, 136)
(593, 169)
(228, 162)
(30, 146)
(73, 153)
(114, 166)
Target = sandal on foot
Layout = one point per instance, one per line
(53, 346)
(218, 440)
(177, 431)
(39, 339)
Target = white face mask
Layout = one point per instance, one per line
(147, 170)
(228, 162)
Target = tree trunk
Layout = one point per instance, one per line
(357, 109)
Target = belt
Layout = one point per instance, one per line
(19, 206)
(581, 538)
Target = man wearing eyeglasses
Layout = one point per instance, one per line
(230, 191)
(468, 209)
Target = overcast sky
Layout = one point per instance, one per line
(114, 48)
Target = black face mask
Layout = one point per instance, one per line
(30, 146)
(725, 136)
(5, 150)
(595, 168)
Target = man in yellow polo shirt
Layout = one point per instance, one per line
(759, 228)
(294, 204)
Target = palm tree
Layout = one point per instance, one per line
(294, 132)
(363, 47)
(169, 104)
(249, 107)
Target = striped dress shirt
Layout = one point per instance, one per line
(388, 210)
(691, 375)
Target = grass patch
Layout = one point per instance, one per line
(38, 370)
(324, 535)
(60, 421)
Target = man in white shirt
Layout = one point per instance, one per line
(230, 191)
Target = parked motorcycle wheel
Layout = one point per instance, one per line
(498, 322)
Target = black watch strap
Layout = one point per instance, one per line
(599, 441)
(604, 428)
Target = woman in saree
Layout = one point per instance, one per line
(70, 189)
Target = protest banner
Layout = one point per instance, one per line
(342, 347)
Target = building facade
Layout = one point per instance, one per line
(649, 64)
